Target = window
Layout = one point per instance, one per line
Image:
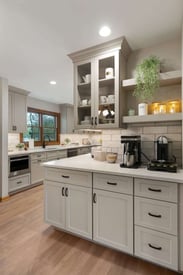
(42, 126)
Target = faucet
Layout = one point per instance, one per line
(44, 143)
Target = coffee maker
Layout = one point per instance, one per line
(131, 151)
(164, 160)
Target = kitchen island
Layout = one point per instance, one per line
(136, 211)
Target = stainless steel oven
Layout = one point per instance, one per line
(18, 165)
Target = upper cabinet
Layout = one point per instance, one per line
(97, 94)
(17, 110)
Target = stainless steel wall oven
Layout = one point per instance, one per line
(18, 165)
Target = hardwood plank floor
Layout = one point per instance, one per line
(28, 246)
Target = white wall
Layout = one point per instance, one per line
(43, 105)
(3, 138)
(169, 54)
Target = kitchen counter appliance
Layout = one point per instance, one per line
(18, 165)
(164, 161)
(131, 151)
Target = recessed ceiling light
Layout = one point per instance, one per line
(105, 31)
(53, 82)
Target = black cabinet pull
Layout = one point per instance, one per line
(94, 197)
(91, 120)
(63, 191)
(154, 215)
(66, 192)
(154, 190)
(19, 182)
(95, 120)
(155, 247)
(65, 177)
(111, 183)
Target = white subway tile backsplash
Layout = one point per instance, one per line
(155, 130)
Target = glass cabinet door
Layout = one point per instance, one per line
(83, 95)
(107, 99)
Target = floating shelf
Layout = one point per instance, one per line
(168, 78)
(153, 118)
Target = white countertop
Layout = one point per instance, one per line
(47, 149)
(86, 163)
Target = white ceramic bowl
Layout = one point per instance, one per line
(111, 157)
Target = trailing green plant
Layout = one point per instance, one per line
(147, 78)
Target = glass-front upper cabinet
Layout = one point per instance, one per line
(97, 92)
(97, 72)
(83, 94)
(107, 90)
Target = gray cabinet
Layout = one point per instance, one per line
(17, 109)
(97, 73)
(68, 200)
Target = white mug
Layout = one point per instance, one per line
(109, 72)
(84, 102)
(110, 98)
(87, 78)
(103, 99)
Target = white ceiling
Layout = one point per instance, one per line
(37, 35)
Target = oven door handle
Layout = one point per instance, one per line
(13, 160)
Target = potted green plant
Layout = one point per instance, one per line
(147, 81)
(20, 146)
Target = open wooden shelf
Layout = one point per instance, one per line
(153, 118)
(168, 78)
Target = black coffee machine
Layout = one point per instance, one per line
(131, 151)
(164, 160)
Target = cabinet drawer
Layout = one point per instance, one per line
(69, 176)
(62, 154)
(158, 215)
(19, 182)
(41, 155)
(160, 190)
(113, 183)
(157, 247)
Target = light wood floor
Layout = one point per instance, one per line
(28, 246)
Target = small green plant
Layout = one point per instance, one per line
(147, 78)
(67, 140)
(20, 145)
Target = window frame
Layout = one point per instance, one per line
(41, 113)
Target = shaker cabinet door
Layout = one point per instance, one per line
(54, 203)
(113, 219)
(79, 210)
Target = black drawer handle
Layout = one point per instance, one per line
(91, 120)
(19, 182)
(94, 197)
(95, 120)
(63, 191)
(111, 183)
(66, 192)
(155, 247)
(154, 190)
(65, 177)
(154, 215)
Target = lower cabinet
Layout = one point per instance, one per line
(69, 207)
(18, 182)
(156, 221)
(113, 211)
(37, 171)
(133, 215)
(113, 219)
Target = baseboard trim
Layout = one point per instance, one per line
(4, 198)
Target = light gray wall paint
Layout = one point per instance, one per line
(3, 137)
(169, 53)
(43, 105)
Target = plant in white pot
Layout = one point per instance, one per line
(147, 81)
